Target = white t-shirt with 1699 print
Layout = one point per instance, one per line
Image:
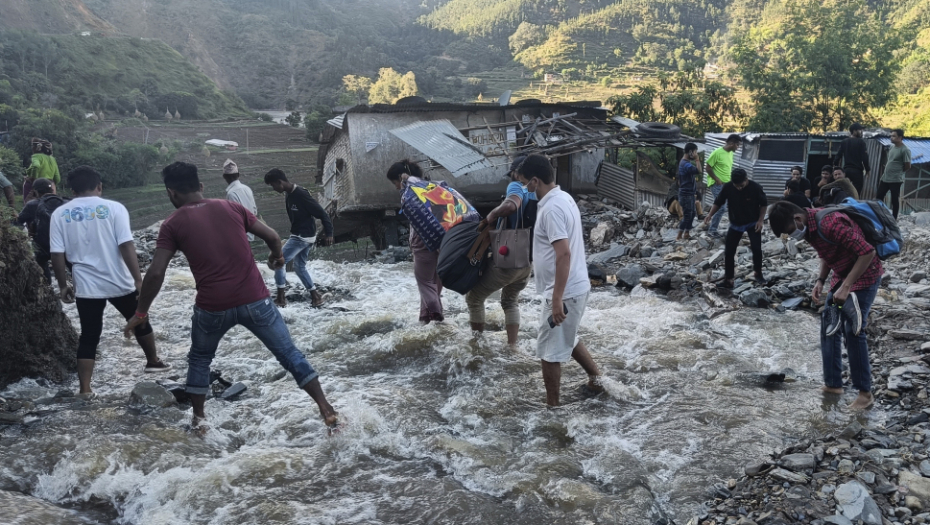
(89, 230)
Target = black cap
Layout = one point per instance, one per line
(856, 127)
(515, 165)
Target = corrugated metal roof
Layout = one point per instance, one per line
(442, 142)
(337, 122)
(920, 148)
(616, 183)
(703, 148)
(442, 106)
(628, 122)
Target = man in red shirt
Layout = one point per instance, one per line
(230, 289)
(857, 272)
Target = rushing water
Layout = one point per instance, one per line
(443, 427)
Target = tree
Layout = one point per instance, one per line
(391, 86)
(706, 109)
(293, 119)
(813, 64)
(357, 86)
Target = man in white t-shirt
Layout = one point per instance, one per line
(236, 191)
(93, 235)
(561, 278)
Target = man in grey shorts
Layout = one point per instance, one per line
(561, 278)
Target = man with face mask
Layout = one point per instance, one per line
(230, 289)
(838, 190)
(746, 202)
(857, 272)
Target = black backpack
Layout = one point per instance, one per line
(463, 255)
(42, 223)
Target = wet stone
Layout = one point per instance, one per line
(867, 477)
(916, 484)
(793, 303)
(151, 394)
(756, 468)
(630, 275)
(786, 475)
(845, 467)
(837, 520)
(798, 462)
(906, 334)
(854, 502)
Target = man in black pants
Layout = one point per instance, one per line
(899, 162)
(94, 235)
(855, 157)
(746, 202)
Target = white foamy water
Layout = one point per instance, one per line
(444, 427)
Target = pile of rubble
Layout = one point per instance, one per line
(145, 240)
(873, 476)
(637, 250)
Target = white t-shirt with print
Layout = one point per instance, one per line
(89, 230)
(558, 218)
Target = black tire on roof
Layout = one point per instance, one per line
(411, 101)
(528, 102)
(658, 130)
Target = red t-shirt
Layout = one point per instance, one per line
(212, 235)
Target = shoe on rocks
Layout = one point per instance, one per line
(160, 366)
(853, 313)
(832, 320)
(316, 299)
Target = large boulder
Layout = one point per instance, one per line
(630, 276)
(38, 338)
(601, 233)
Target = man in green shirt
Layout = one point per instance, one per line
(719, 167)
(899, 161)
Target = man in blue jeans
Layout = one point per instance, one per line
(857, 272)
(303, 211)
(230, 289)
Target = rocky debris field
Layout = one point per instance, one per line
(872, 476)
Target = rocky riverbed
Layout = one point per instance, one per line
(871, 474)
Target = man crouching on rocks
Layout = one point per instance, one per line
(230, 289)
(857, 272)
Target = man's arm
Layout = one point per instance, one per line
(505, 209)
(271, 238)
(61, 275)
(760, 224)
(314, 209)
(862, 264)
(710, 173)
(127, 251)
(563, 263)
(821, 280)
(865, 161)
(151, 285)
(907, 160)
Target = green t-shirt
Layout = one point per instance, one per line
(721, 161)
(44, 167)
(898, 156)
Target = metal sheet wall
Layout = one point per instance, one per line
(875, 149)
(654, 199)
(614, 182)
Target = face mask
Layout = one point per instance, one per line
(798, 233)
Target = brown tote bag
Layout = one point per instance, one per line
(510, 249)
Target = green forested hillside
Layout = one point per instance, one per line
(112, 74)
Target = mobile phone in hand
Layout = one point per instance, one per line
(564, 310)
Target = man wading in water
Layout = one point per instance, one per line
(857, 272)
(561, 277)
(302, 210)
(230, 289)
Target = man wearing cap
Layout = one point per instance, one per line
(237, 191)
(510, 281)
(855, 161)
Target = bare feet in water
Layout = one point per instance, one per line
(863, 401)
(829, 390)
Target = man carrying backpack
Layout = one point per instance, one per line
(37, 216)
(857, 272)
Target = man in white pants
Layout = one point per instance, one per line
(561, 277)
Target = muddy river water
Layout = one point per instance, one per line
(443, 427)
